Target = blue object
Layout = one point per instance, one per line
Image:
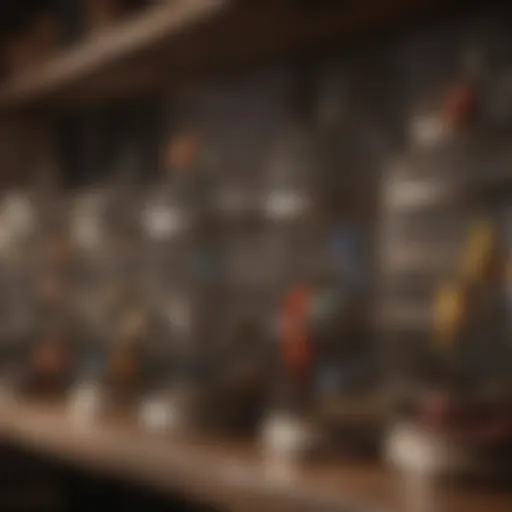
(345, 250)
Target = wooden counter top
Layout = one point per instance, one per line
(230, 473)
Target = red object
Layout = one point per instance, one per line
(297, 346)
(460, 105)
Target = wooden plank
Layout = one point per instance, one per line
(192, 39)
(229, 473)
(96, 53)
(233, 473)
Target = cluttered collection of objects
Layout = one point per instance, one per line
(291, 242)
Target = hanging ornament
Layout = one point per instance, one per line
(297, 346)
(480, 252)
(428, 129)
(449, 316)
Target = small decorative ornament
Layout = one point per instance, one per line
(85, 402)
(460, 106)
(157, 415)
(346, 250)
(428, 130)
(449, 314)
(431, 128)
(163, 222)
(421, 451)
(296, 342)
(479, 252)
(288, 437)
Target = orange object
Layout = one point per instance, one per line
(297, 346)
(51, 357)
(124, 367)
(183, 151)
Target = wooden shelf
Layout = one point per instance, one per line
(183, 37)
(94, 55)
(230, 473)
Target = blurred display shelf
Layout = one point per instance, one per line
(231, 473)
(426, 195)
(180, 38)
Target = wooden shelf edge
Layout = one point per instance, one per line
(96, 52)
(211, 470)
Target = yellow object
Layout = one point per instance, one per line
(479, 252)
(449, 313)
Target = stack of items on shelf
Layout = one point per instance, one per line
(446, 267)
(223, 293)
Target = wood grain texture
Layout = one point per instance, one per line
(231, 473)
